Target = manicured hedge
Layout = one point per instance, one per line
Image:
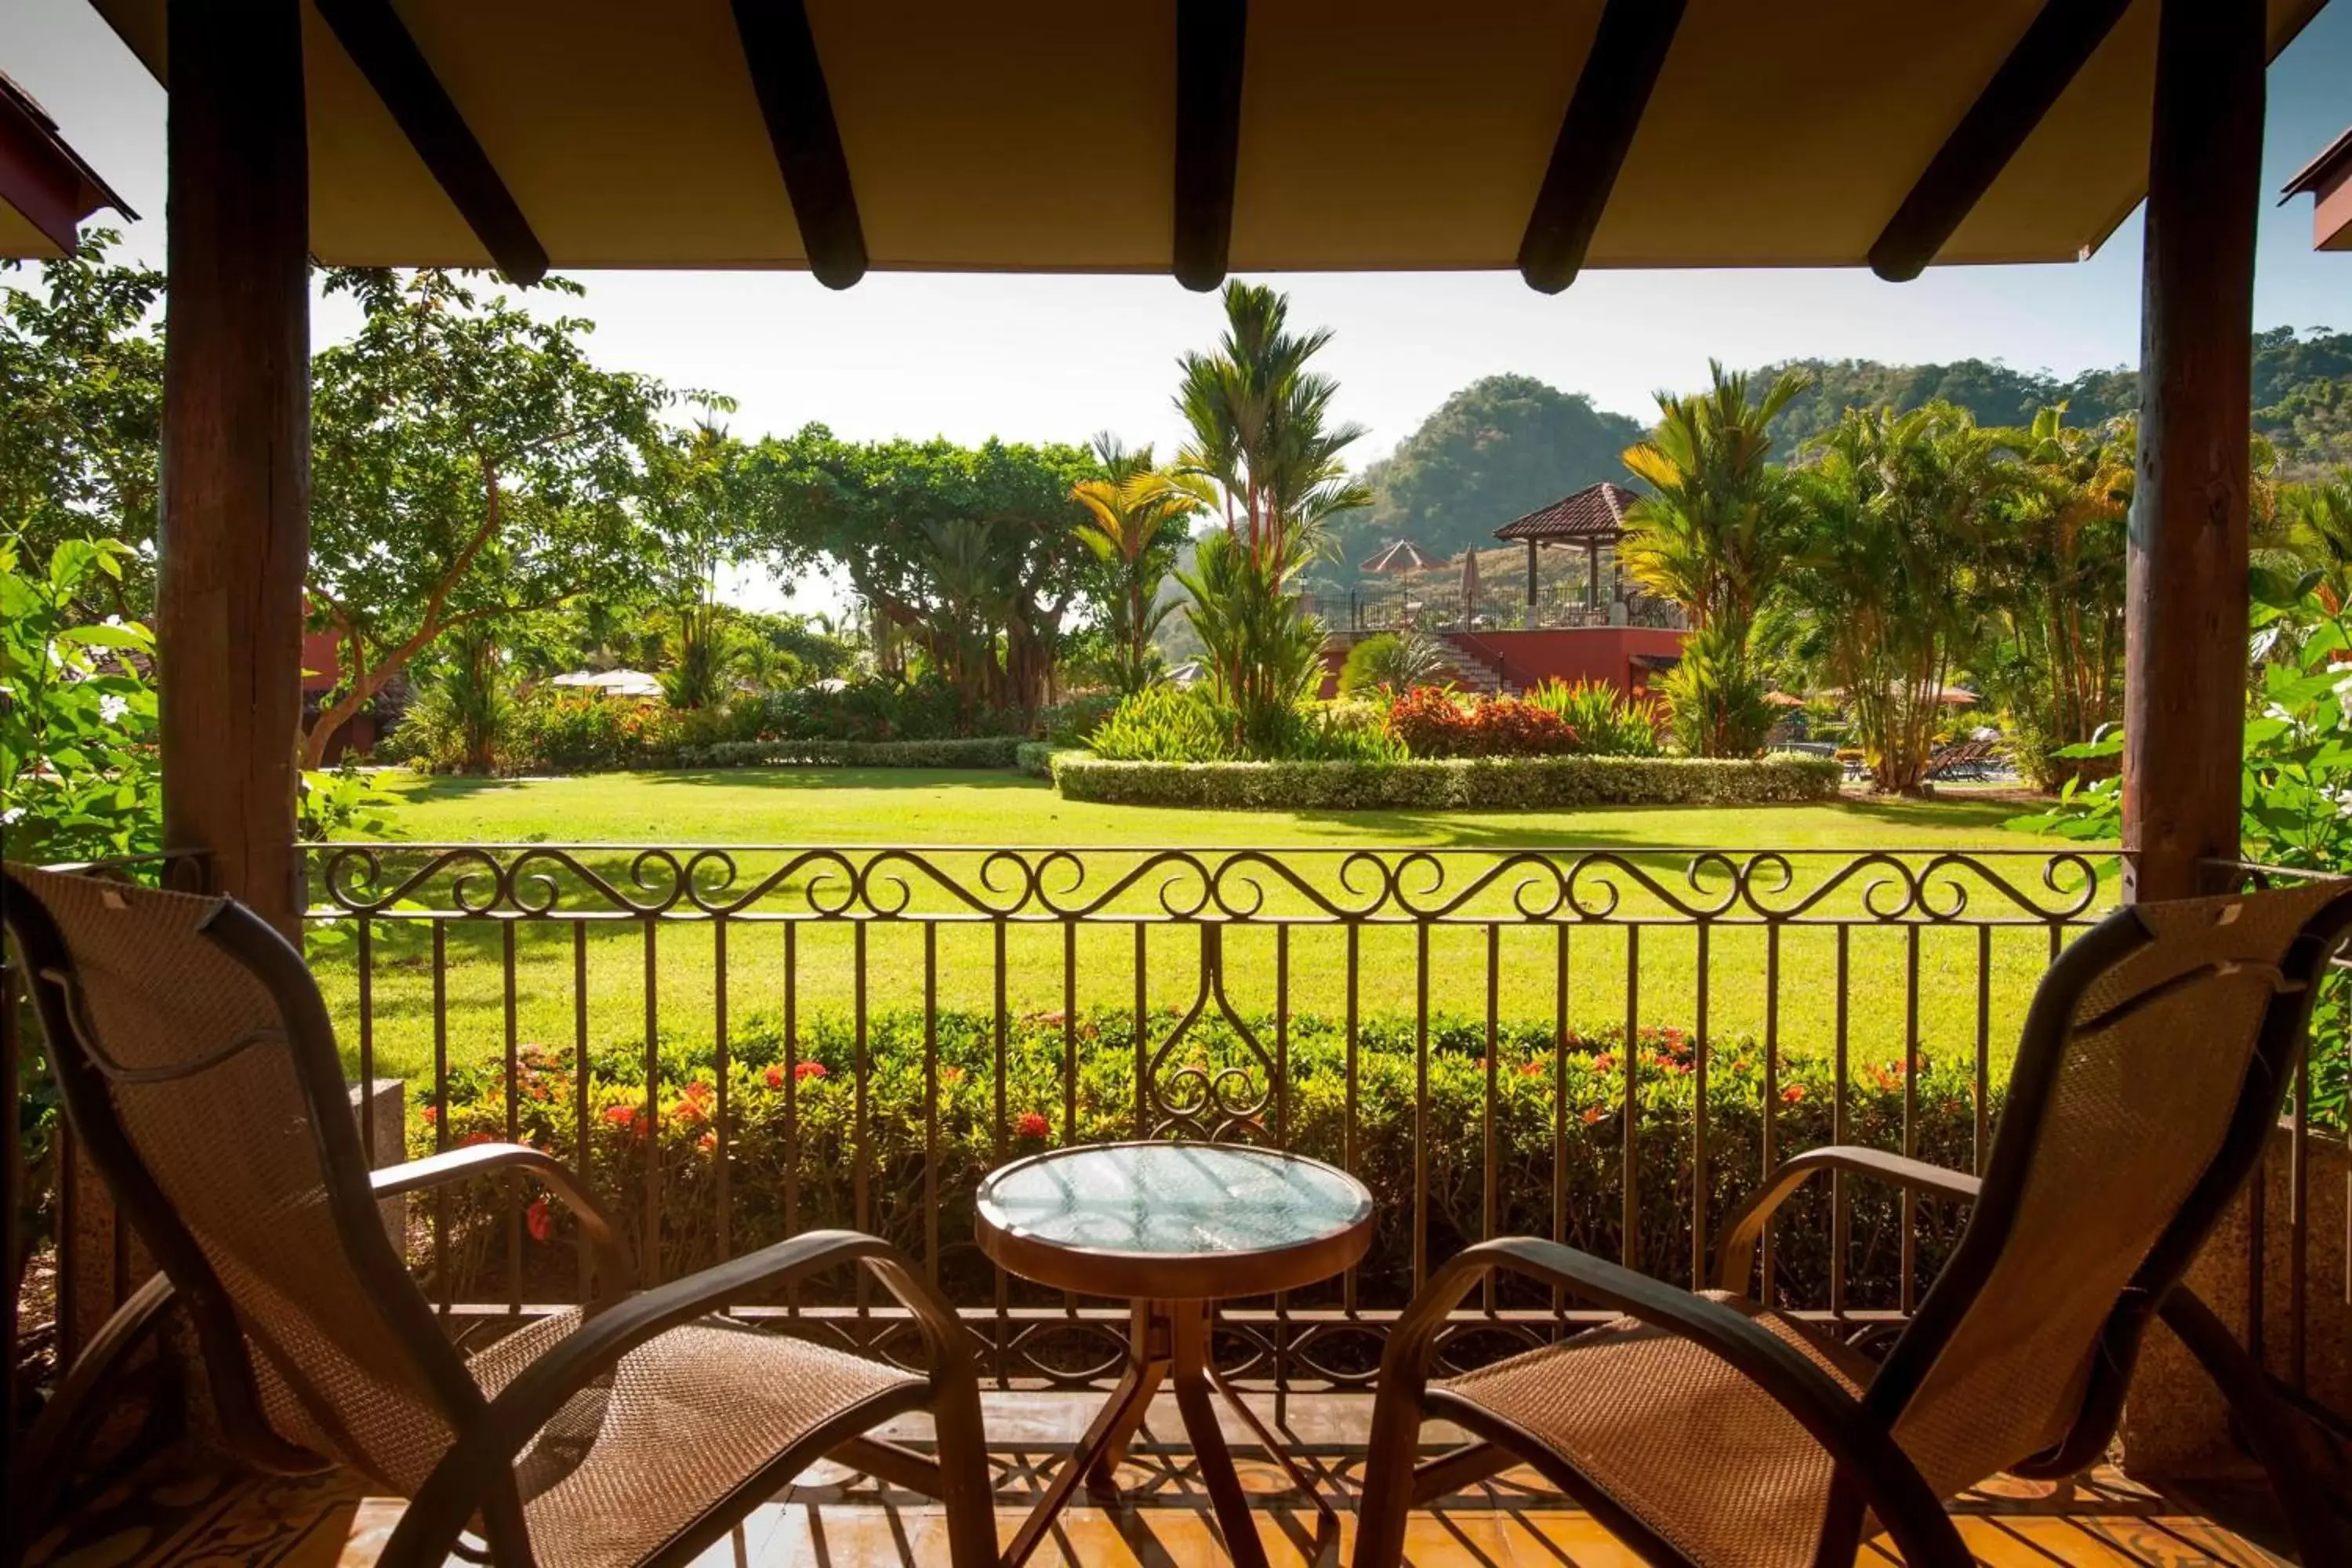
(980, 752)
(1481, 784)
(796, 1116)
(1035, 758)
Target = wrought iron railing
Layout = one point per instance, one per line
(1608, 1047)
(1604, 1046)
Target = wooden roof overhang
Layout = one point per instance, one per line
(2328, 179)
(1594, 515)
(46, 188)
(1195, 136)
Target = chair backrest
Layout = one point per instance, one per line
(200, 1075)
(2150, 1073)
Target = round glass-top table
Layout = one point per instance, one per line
(1174, 1228)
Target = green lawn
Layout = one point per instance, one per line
(937, 813)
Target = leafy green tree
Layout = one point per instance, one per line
(2318, 519)
(81, 383)
(2054, 577)
(1136, 520)
(1716, 527)
(1903, 508)
(468, 463)
(972, 554)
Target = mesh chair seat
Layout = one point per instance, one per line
(1674, 1436)
(609, 1480)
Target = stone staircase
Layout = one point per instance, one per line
(1469, 670)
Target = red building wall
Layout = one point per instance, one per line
(1571, 654)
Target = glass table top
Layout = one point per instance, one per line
(1173, 1199)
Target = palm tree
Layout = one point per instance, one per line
(1130, 513)
(1717, 526)
(2318, 517)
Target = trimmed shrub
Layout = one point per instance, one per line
(1035, 758)
(973, 751)
(1486, 784)
(1168, 724)
(1431, 722)
(1541, 1094)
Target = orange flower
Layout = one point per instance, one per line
(1604, 1062)
(538, 1221)
(775, 1077)
(706, 1142)
(1793, 1093)
(1593, 1113)
(951, 1074)
(809, 1069)
(1530, 1069)
(1029, 1124)
(621, 1115)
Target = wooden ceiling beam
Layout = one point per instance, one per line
(789, 80)
(2056, 46)
(380, 47)
(1211, 37)
(1628, 49)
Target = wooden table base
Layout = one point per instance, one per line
(1169, 1342)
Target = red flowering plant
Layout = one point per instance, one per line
(1438, 723)
(805, 1149)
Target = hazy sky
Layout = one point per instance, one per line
(1057, 358)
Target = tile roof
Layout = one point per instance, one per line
(1596, 513)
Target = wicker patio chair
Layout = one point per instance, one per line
(200, 1073)
(1711, 1430)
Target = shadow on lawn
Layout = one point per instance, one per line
(847, 778)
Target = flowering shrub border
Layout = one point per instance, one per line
(810, 1093)
(977, 752)
(1480, 784)
(1432, 721)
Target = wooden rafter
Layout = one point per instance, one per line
(380, 47)
(789, 80)
(2059, 43)
(1628, 49)
(1211, 37)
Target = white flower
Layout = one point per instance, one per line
(13, 815)
(111, 708)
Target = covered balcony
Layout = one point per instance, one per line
(1609, 1048)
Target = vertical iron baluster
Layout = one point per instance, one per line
(442, 1284)
(1281, 1140)
(513, 1064)
(1351, 1155)
(931, 1102)
(1838, 1211)
(861, 1178)
(367, 1041)
(1560, 1104)
(1142, 1039)
(1421, 1104)
(2298, 1204)
(1003, 1303)
(1982, 1147)
(579, 1090)
(1629, 1243)
(1069, 1031)
(648, 1133)
(719, 1132)
(1907, 1202)
(1698, 1123)
(791, 1097)
(1490, 1194)
(1771, 1093)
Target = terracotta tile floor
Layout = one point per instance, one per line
(169, 1518)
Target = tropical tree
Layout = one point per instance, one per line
(1720, 520)
(1136, 517)
(1902, 508)
(2054, 576)
(691, 501)
(2318, 528)
(1262, 438)
(467, 464)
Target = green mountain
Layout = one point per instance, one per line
(1494, 451)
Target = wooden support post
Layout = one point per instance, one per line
(2185, 637)
(1593, 576)
(1531, 573)
(236, 446)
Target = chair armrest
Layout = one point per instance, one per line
(614, 1272)
(1863, 1450)
(484, 1452)
(1736, 1257)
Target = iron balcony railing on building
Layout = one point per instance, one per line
(1605, 1045)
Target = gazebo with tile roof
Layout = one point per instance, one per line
(1595, 518)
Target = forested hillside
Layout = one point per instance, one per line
(1508, 443)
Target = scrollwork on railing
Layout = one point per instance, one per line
(1309, 885)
